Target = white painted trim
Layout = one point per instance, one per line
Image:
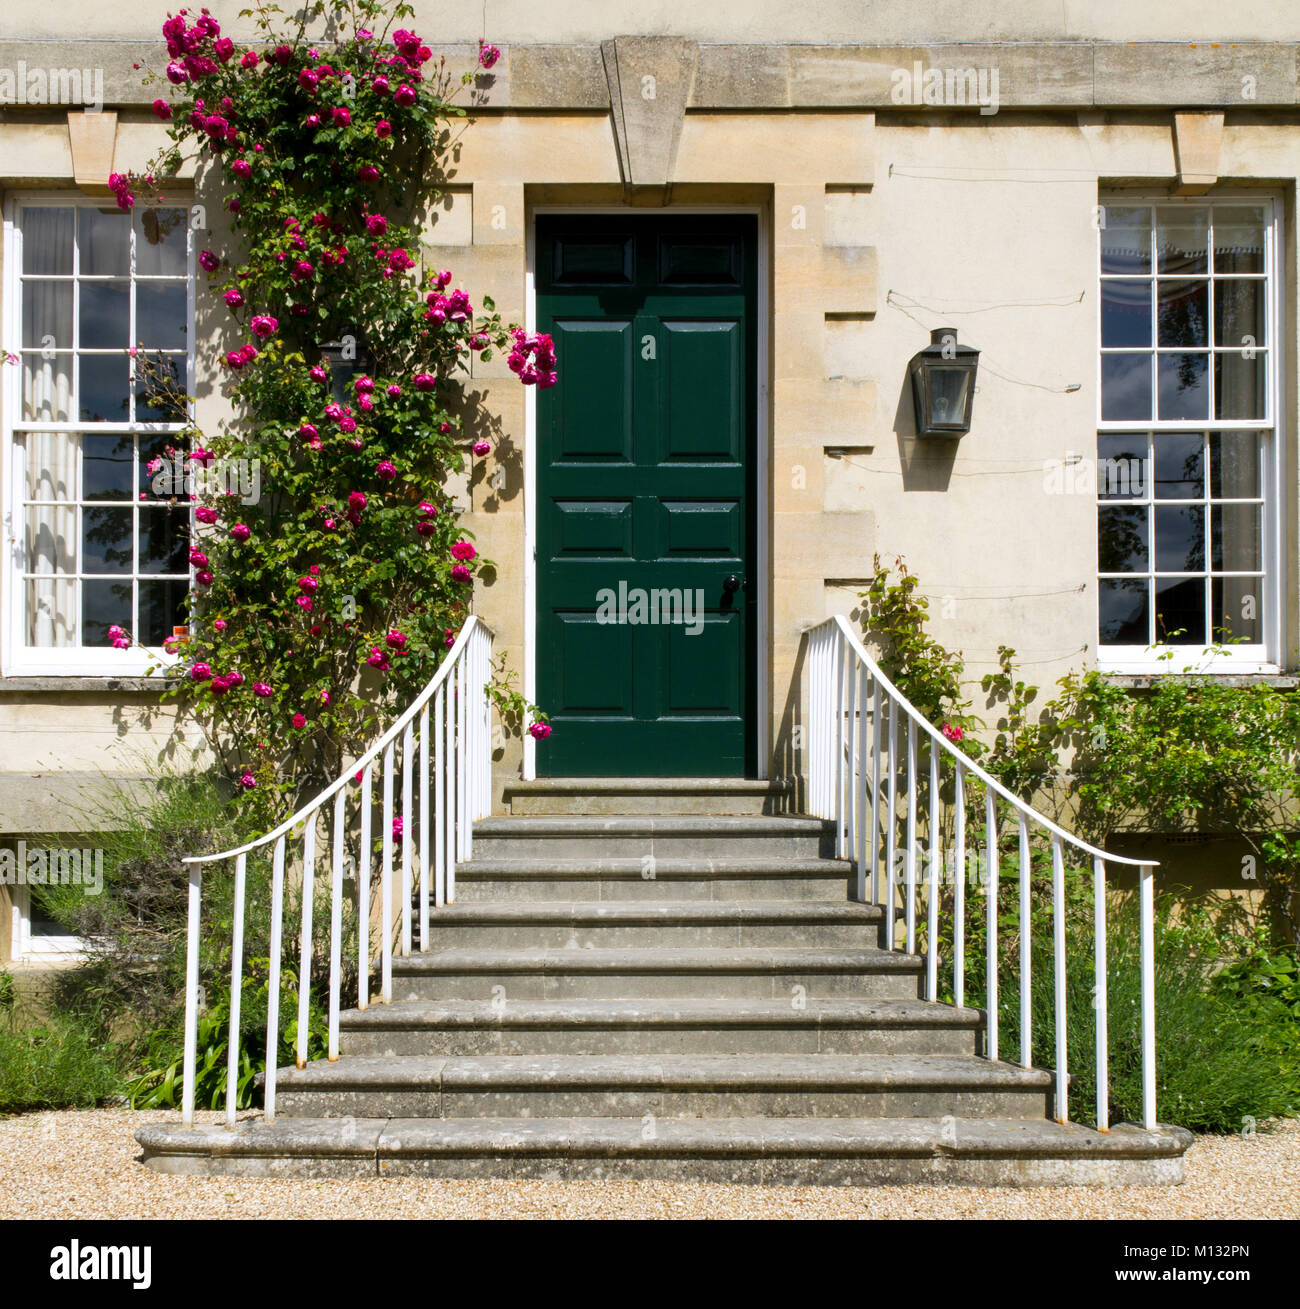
(28, 949)
(1267, 657)
(17, 659)
(761, 704)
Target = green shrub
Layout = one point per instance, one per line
(61, 1062)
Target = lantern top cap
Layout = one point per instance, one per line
(938, 335)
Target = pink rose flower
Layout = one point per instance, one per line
(318, 374)
(203, 579)
(220, 624)
(386, 470)
(482, 447)
(488, 55)
(396, 639)
(357, 500)
(249, 60)
(264, 325)
(951, 732)
(404, 95)
(299, 721)
(233, 298)
(200, 672)
(262, 690)
(539, 731)
(242, 168)
(383, 129)
(248, 782)
(425, 381)
(241, 532)
(394, 391)
(378, 659)
(460, 573)
(463, 550)
(425, 528)
(162, 109)
(308, 584)
(205, 514)
(342, 116)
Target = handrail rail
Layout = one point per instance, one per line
(349, 773)
(966, 761)
(448, 752)
(855, 782)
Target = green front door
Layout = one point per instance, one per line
(646, 629)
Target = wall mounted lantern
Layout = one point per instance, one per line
(943, 384)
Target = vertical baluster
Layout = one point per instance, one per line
(363, 890)
(936, 854)
(304, 946)
(386, 882)
(449, 784)
(1100, 998)
(1026, 948)
(876, 733)
(1146, 905)
(837, 741)
(1058, 942)
(959, 886)
(812, 747)
(860, 794)
(462, 790)
(911, 835)
(891, 832)
(191, 993)
(273, 980)
(424, 827)
(439, 797)
(991, 904)
(408, 835)
(236, 989)
(847, 825)
(336, 918)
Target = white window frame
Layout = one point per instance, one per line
(28, 948)
(1264, 657)
(17, 659)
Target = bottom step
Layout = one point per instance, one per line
(773, 1152)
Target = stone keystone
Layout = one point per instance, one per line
(649, 84)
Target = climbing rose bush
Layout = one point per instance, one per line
(321, 609)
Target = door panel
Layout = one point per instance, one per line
(646, 493)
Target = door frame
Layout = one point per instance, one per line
(761, 694)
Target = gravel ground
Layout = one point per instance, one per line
(83, 1164)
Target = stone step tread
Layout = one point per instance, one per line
(632, 866)
(658, 959)
(646, 786)
(655, 1012)
(658, 913)
(749, 1072)
(533, 825)
(692, 1137)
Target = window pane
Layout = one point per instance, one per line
(1122, 466)
(162, 475)
(47, 388)
(1122, 539)
(1126, 314)
(163, 547)
(1180, 538)
(1239, 385)
(103, 241)
(1236, 539)
(160, 314)
(51, 539)
(106, 540)
(1238, 609)
(1180, 610)
(104, 388)
(1180, 466)
(47, 240)
(1181, 239)
(1239, 313)
(160, 388)
(106, 467)
(51, 613)
(47, 315)
(1126, 239)
(1184, 385)
(160, 250)
(162, 607)
(1125, 387)
(1239, 239)
(105, 315)
(1125, 612)
(1234, 465)
(1182, 313)
(103, 605)
(51, 465)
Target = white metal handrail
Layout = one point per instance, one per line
(460, 774)
(849, 698)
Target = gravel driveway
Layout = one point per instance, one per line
(83, 1164)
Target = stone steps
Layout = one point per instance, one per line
(597, 924)
(756, 1151)
(769, 972)
(664, 978)
(660, 1026)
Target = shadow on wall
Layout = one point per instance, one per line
(789, 749)
(926, 462)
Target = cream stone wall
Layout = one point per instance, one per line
(881, 222)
